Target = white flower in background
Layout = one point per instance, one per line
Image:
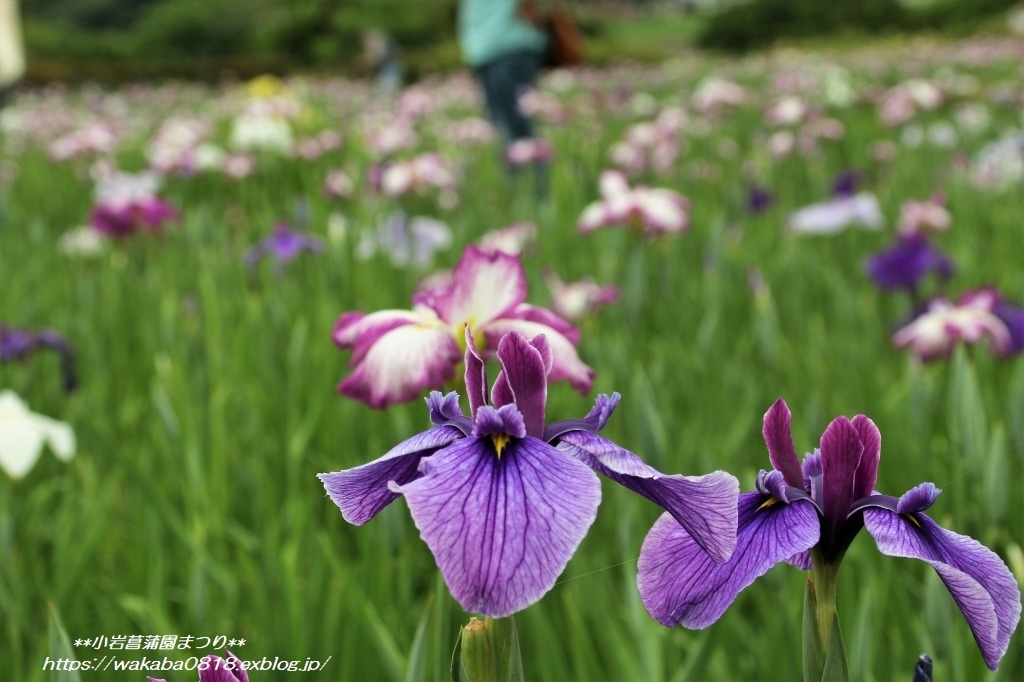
(81, 242)
(1000, 164)
(259, 131)
(831, 217)
(973, 118)
(23, 434)
(209, 157)
(714, 94)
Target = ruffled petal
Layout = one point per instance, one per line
(681, 584)
(502, 529)
(400, 364)
(566, 363)
(485, 286)
(704, 505)
(360, 331)
(778, 436)
(362, 492)
(976, 577)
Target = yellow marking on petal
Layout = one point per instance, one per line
(767, 503)
(500, 440)
(910, 517)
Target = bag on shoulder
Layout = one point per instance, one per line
(565, 44)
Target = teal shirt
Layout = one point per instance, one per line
(492, 28)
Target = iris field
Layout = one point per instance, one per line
(206, 399)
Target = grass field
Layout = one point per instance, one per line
(207, 405)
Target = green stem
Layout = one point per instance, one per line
(824, 652)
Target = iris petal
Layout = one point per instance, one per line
(502, 530)
(976, 577)
(680, 584)
(364, 491)
(778, 436)
(704, 505)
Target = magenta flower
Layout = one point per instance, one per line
(809, 515)
(504, 500)
(128, 203)
(398, 353)
(575, 300)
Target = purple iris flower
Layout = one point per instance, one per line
(18, 344)
(283, 246)
(1013, 318)
(905, 265)
(808, 515)
(504, 500)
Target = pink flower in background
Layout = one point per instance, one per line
(576, 300)
(398, 353)
(922, 217)
(654, 211)
(528, 150)
(511, 239)
(934, 333)
(96, 138)
(419, 174)
(338, 185)
(835, 215)
(715, 94)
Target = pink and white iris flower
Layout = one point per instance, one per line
(934, 333)
(654, 210)
(398, 353)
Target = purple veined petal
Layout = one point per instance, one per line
(362, 492)
(444, 410)
(918, 498)
(801, 560)
(566, 363)
(502, 529)
(778, 436)
(400, 364)
(484, 287)
(476, 376)
(841, 452)
(679, 583)
(595, 420)
(705, 506)
(980, 583)
(523, 379)
(867, 471)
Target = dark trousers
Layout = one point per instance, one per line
(503, 79)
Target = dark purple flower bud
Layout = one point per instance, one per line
(846, 184)
(923, 669)
(759, 199)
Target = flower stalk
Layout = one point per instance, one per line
(824, 651)
(490, 651)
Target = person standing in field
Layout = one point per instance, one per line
(500, 41)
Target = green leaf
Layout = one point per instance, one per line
(828, 664)
(60, 648)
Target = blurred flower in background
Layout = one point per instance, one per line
(23, 434)
(408, 242)
(398, 353)
(652, 211)
(18, 344)
(127, 203)
(283, 246)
